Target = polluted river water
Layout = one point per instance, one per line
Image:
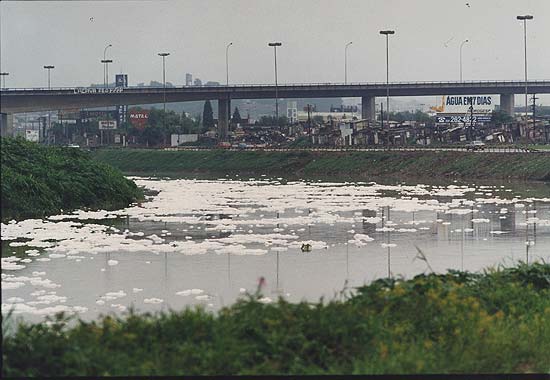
(208, 242)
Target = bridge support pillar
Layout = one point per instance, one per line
(224, 110)
(507, 104)
(6, 124)
(368, 110)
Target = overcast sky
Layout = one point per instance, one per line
(72, 36)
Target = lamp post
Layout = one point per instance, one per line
(275, 44)
(49, 68)
(346, 62)
(387, 34)
(524, 19)
(4, 75)
(227, 63)
(461, 45)
(164, 55)
(105, 66)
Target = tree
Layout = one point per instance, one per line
(207, 116)
(236, 118)
(500, 117)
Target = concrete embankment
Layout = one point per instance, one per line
(356, 164)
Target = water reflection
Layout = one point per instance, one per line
(185, 249)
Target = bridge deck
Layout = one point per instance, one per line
(40, 99)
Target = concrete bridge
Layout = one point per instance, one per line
(39, 99)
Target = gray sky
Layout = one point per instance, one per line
(72, 35)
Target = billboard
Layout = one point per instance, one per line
(72, 113)
(121, 80)
(122, 113)
(97, 114)
(176, 140)
(292, 111)
(32, 135)
(138, 118)
(460, 104)
(107, 124)
(442, 118)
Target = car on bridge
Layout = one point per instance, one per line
(476, 145)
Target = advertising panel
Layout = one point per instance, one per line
(462, 119)
(97, 114)
(32, 135)
(138, 118)
(122, 113)
(121, 80)
(176, 140)
(460, 104)
(72, 113)
(107, 124)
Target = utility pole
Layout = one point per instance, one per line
(524, 19)
(164, 55)
(106, 62)
(461, 45)
(4, 75)
(382, 120)
(387, 33)
(534, 108)
(275, 44)
(346, 62)
(227, 63)
(471, 121)
(49, 68)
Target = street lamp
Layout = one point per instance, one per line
(164, 55)
(275, 44)
(105, 66)
(4, 75)
(387, 34)
(346, 62)
(461, 45)
(227, 63)
(49, 68)
(524, 19)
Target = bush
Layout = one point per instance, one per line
(39, 180)
(497, 321)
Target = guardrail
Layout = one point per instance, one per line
(488, 149)
(319, 84)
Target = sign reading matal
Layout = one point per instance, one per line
(460, 104)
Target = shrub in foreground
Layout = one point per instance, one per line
(497, 321)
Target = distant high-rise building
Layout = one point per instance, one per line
(188, 79)
(197, 82)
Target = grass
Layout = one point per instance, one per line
(39, 181)
(496, 321)
(354, 164)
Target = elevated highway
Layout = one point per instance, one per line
(40, 99)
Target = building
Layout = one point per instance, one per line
(197, 82)
(188, 79)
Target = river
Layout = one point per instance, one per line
(209, 241)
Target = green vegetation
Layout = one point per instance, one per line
(39, 181)
(497, 321)
(207, 116)
(354, 164)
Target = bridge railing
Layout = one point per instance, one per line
(494, 83)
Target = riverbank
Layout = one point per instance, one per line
(358, 165)
(38, 181)
(497, 321)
